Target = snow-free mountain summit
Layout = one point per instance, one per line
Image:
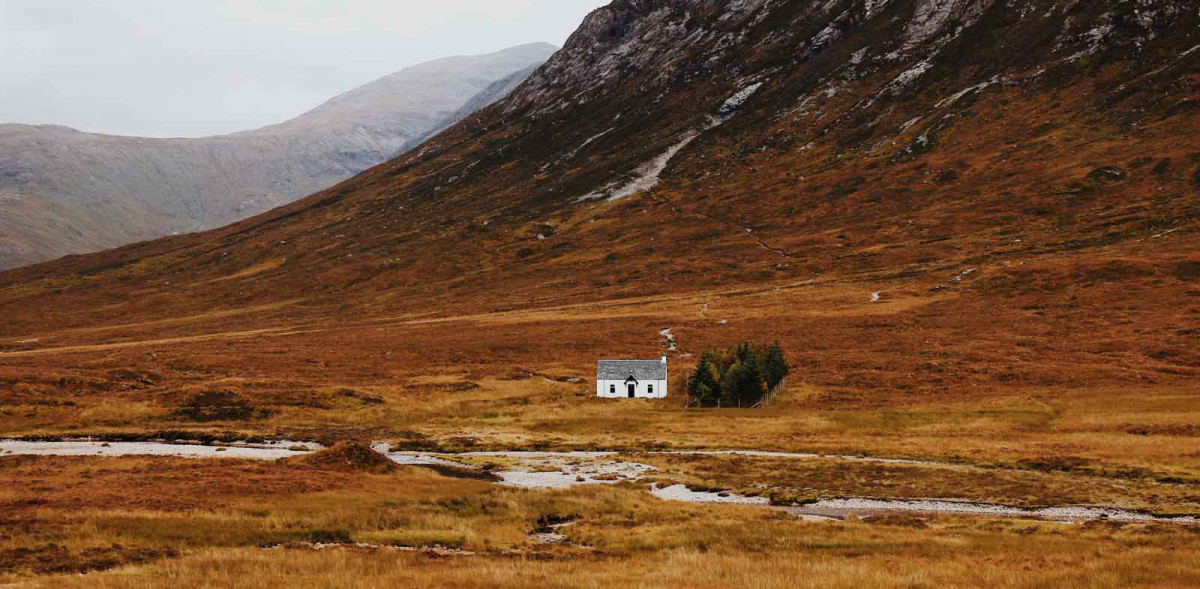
(64, 191)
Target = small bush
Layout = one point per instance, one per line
(218, 406)
(1187, 270)
(1108, 174)
(329, 537)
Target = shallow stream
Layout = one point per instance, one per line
(561, 470)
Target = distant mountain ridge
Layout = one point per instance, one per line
(495, 92)
(64, 191)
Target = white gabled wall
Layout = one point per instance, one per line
(641, 392)
(616, 389)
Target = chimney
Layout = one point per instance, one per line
(664, 359)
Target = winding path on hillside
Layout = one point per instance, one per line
(318, 325)
(743, 229)
(227, 335)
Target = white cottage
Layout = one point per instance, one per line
(640, 379)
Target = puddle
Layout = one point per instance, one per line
(811, 517)
(434, 550)
(550, 534)
(539, 470)
(279, 449)
(842, 508)
(682, 493)
(803, 455)
(415, 458)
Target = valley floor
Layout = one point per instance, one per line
(310, 522)
(950, 394)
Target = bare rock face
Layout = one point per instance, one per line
(629, 36)
(931, 18)
(63, 191)
(636, 55)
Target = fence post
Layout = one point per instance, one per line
(770, 396)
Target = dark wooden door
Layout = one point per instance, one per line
(632, 389)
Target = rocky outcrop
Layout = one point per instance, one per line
(641, 53)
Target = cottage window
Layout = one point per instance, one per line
(650, 389)
(612, 389)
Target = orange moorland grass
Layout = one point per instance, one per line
(883, 366)
(504, 379)
(789, 480)
(215, 523)
(212, 523)
(992, 372)
(781, 554)
(67, 514)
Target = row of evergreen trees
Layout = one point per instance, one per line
(739, 376)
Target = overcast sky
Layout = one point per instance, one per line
(187, 68)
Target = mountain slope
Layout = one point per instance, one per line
(1015, 182)
(64, 191)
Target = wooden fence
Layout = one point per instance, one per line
(766, 400)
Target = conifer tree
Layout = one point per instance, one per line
(748, 384)
(775, 367)
(729, 384)
(738, 376)
(703, 385)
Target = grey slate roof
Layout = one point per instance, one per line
(640, 369)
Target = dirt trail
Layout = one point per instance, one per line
(663, 307)
(746, 230)
(631, 307)
(256, 309)
(271, 332)
(772, 249)
(669, 340)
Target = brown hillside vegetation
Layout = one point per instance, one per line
(972, 225)
(183, 523)
(349, 456)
